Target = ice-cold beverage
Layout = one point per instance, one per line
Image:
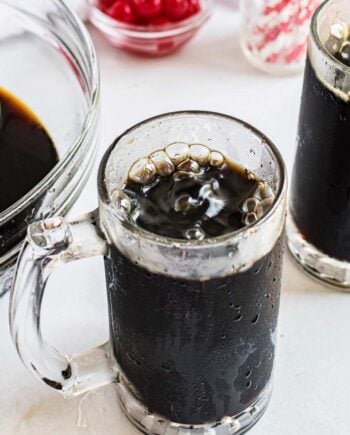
(319, 223)
(194, 349)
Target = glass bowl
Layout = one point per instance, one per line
(49, 62)
(151, 40)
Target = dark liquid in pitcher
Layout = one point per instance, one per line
(321, 182)
(194, 350)
(27, 152)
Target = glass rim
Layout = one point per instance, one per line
(316, 38)
(92, 111)
(211, 241)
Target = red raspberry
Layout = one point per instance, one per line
(148, 8)
(177, 10)
(122, 11)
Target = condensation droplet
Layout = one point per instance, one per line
(255, 319)
(231, 250)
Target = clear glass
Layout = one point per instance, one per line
(157, 40)
(317, 230)
(274, 33)
(222, 266)
(48, 61)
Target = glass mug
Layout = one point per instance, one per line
(192, 322)
(318, 225)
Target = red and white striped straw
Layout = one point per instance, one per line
(279, 34)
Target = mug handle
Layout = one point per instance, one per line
(50, 243)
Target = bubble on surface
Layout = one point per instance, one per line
(250, 218)
(188, 166)
(142, 171)
(178, 152)
(264, 191)
(162, 162)
(184, 203)
(250, 205)
(195, 233)
(182, 175)
(200, 153)
(260, 211)
(216, 159)
(207, 199)
(255, 207)
(266, 203)
(121, 200)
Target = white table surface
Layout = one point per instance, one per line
(312, 376)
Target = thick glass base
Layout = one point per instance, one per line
(154, 424)
(327, 269)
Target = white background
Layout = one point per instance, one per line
(312, 376)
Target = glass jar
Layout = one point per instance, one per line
(48, 61)
(274, 33)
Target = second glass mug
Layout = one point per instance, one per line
(192, 323)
